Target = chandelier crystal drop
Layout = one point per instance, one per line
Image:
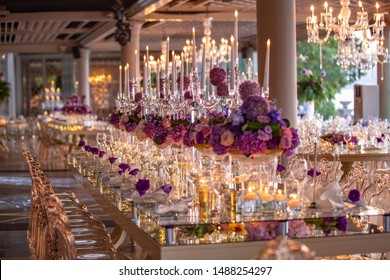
(360, 45)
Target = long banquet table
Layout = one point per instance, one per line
(131, 223)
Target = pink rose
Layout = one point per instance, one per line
(166, 123)
(286, 131)
(206, 130)
(227, 138)
(285, 142)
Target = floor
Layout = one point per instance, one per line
(15, 201)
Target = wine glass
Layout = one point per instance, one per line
(298, 169)
(347, 137)
(100, 139)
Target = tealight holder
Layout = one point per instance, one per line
(294, 197)
(280, 200)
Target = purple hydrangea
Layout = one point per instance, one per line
(236, 118)
(186, 82)
(254, 106)
(249, 143)
(275, 115)
(114, 119)
(188, 140)
(142, 186)
(188, 95)
(354, 195)
(217, 76)
(160, 133)
(215, 140)
(295, 138)
(354, 140)
(248, 88)
(223, 90)
(177, 132)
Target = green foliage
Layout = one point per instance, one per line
(324, 89)
(4, 91)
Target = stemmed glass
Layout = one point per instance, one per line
(298, 171)
(100, 139)
(347, 137)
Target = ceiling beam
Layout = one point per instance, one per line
(98, 34)
(35, 47)
(143, 8)
(71, 16)
(223, 16)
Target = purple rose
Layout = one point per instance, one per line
(167, 188)
(81, 143)
(87, 148)
(134, 172)
(102, 153)
(354, 195)
(142, 186)
(310, 172)
(280, 168)
(112, 159)
(94, 150)
(342, 224)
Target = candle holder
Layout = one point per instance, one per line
(280, 200)
(294, 191)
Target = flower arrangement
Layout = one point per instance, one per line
(328, 224)
(218, 77)
(311, 87)
(73, 105)
(338, 138)
(199, 133)
(255, 127)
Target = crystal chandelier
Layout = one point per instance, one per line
(360, 45)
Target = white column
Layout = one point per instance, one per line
(83, 74)
(384, 85)
(12, 82)
(283, 69)
(128, 51)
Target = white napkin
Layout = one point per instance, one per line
(158, 196)
(331, 196)
(179, 206)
